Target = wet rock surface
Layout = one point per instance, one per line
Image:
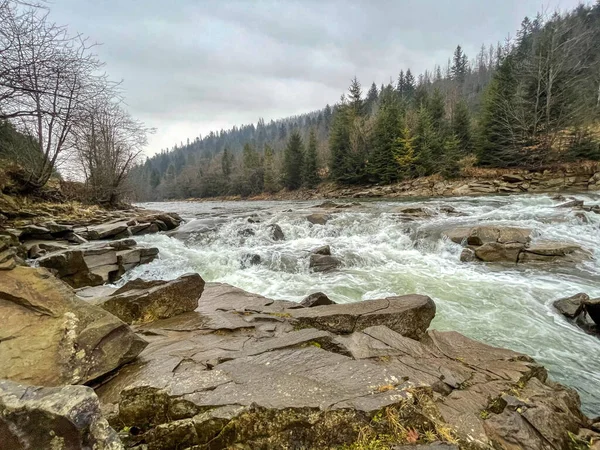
(250, 372)
(62, 418)
(512, 245)
(581, 310)
(50, 337)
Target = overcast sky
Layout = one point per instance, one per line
(193, 66)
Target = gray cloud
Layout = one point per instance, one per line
(194, 66)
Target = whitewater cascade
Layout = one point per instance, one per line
(383, 254)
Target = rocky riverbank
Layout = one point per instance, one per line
(185, 364)
(577, 178)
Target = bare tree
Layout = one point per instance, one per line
(108, 142)
(48, 79)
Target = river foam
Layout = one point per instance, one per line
(506, 306)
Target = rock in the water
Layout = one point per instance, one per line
(53, 418)
(414, 211)
(54, 338)
(571, 204)
(318, 219)
(142, 302)
(592, 307)
(250, 259)
(323, 250)
(467, 255)
(408, 315)
(551, 251)
(572, 306)
(276, 232)
(496, 252)
(324, 263)
(480, 235)
(316, 299)
(246, 232)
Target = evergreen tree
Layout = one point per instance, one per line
(451, 159)
(459, 65)
(339, 143)
(311, 175)
(154, 179)
(400, 86)
(371, 99)
(382, 163)
(409, 85)
(269, 178)
(436, 109)
(497, 144)
(404, 154)
(426, 144)
(355, 97)
(293, 161)
(461, 126)
(226, 162)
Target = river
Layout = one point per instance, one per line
(502, 305)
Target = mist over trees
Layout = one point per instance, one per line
(58, 110)
(528, 102)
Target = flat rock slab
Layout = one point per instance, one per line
(408, 315)
(50, 337)
(247, 370)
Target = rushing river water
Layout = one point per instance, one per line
(506, 306)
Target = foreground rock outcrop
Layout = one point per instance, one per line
(50, 337)
(140, 301)
(245, 371)
(57, 418)
(512, 245)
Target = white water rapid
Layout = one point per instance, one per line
(502, 305)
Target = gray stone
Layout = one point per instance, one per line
(496, 252)
(140, 302)
(276, 232)
(571, 204)
(324, 263)
(467, 255)
(572, 306)
(323, 250)
(66, 417)
(318, 219)
(316, 299)
(106, 231)
(54, 338)
(408, 315)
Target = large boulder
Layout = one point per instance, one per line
(53, 418)
(140, 301)
(50, 337)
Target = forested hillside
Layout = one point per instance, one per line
(531, 101)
